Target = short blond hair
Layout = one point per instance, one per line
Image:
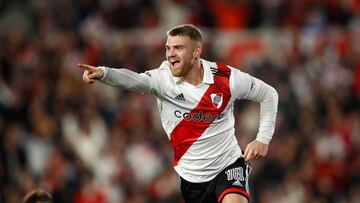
(186, 30)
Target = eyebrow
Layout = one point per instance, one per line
(175, 46)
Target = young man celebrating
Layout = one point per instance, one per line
(195, 99)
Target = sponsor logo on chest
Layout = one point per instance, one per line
(215, 101)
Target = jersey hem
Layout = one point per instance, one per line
(202, 179)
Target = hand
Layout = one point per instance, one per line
(255, 150)
(91, 73)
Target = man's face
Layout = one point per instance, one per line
(181, 52)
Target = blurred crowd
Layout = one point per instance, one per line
(100, 144)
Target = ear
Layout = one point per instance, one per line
(197, 51)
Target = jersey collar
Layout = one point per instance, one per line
(208, 76)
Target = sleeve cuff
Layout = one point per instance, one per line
(263, 139)
(105, 71)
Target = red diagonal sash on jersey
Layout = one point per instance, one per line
(188, 131)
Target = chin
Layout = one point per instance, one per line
(176, 73)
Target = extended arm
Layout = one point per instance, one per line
(123, 78)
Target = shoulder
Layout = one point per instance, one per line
(233, 70)
(218, 69)
(164, 66)
(221, 69)
(238, 75)
(160, 77)
(162, 70)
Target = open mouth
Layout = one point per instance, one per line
(174, 63)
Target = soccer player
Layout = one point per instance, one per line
(196, 100)
(37, 196)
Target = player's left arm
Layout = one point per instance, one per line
(251, 88)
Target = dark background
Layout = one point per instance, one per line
(94, 143)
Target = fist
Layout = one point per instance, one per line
(255, 150)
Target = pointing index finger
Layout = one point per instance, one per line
(86, 67)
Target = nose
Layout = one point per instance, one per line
(170, 52)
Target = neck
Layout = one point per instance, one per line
(195, 75)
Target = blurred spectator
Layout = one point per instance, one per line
(72, 142)
(87, 135)
(38, 196)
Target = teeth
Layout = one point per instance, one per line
(174, 62)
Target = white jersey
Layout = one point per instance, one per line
(199, 120)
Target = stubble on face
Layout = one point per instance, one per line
(180, 55)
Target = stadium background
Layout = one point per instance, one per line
(93, 143)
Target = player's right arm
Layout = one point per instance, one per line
(123, 78)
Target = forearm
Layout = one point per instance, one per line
(126, 79)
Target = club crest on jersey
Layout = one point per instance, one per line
(217, 99)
